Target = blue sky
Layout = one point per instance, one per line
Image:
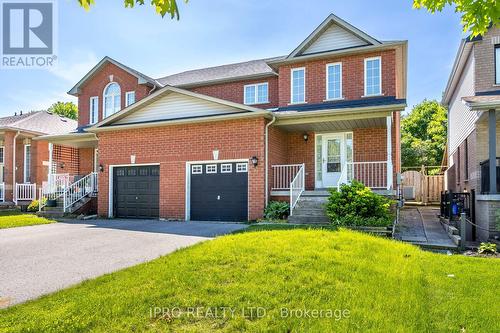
(225, 31)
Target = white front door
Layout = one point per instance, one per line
(333, 153)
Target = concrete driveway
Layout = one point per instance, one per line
(41, 259)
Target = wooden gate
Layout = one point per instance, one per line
(419, 187)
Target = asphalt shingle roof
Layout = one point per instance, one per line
(42, 122)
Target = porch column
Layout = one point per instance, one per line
(389, 152)
(492, 151)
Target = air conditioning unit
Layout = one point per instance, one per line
(409, 192)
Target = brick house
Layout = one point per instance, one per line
(473, 98)
(218, 143)
(24, 162)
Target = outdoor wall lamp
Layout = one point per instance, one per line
(62, 165)
(101, 168)
(254, 160)
(306, 137)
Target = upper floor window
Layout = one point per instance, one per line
(256, 93)
(129, 98)
(112, 99)
(1, 155)
(94, 109)
(373, 76)
(334, 81)
(497, 64)
(298, 85)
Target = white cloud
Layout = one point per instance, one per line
(73, 68)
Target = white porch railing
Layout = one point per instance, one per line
(283, 176)
(297, 187)
(25, 192)
(371, 174)
(2, 192)
(79, 189)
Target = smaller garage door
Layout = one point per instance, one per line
(219, 192)
(136, 191)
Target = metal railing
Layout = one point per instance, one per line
(283, 176)
(79, 189)
(25, 192)
(297, 187)
(372, 174)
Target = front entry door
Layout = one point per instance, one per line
(333, 159)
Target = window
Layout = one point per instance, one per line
(466, 162)
(2, 154)
(196, 169)
(226, 168)
(298, 85)
(373, 76)
(112, 99)
(334, 81)
(212, 168)
(458, 165)
(497, 64)
(242, 167)
(94, 109)
(129, 98)
(27, 163)
(256, 93)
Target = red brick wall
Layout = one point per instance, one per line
(352, 77)
(300, 151)
(86, 161)
(39, 154)
(233, 91)
(95, 87)
(235, 139)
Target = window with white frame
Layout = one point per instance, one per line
(242, 167)
(196, 169)
(497, 64)
(212, 168)
(226, 168)
(373, 76)
(27, 163)
(129, 98)
(334, 81)
(298, 91)
(2, 156)
(94, 109)
(112, 99)
(256, 93)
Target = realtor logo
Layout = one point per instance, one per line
(28, 33)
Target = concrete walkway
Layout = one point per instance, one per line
(421, 226)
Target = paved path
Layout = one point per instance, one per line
(41, 259)
(421, 226)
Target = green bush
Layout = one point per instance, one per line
(34, 205)
(356, 205)
(487, 248)
(277, 210)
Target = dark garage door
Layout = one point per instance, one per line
(136, 191)
(219, 192)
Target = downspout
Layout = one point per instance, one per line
(14, 167)
(266, 158)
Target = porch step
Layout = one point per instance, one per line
(310, 210)
(316, 193)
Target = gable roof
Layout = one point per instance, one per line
(342, 29)
(39, 122)
(142, 79)
(227, 109)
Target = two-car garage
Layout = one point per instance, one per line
(216, 191)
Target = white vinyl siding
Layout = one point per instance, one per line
(373, 76)
(461, 118)
(334, 38)
(298, 87)
(94, 110)
(177, 106)
(334, 81)
(129, 98)
(256, 94)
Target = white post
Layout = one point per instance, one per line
(389, 152)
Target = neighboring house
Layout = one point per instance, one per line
(24, 163)
(218, 143)
(473, 98)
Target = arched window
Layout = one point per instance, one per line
(112, 99)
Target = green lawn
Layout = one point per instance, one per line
(385, 286)
(12, 219)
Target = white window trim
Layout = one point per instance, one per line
(195, 171)
(242, 164)
(91, 116)
(227, 171)
(104, 114)
(25, 169)
(256, 94)
(211, 165)
(126, 98)
(2, 148)
(327, 82)
(379, 58)
(292, 70)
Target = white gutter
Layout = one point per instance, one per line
(266, 156)
(14, 167)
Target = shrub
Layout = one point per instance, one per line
(356, 205)
(487, 248)
(34, 205)
(277, 210)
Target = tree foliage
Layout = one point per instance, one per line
(423, 135)
(162, 7)
(477, 15)
(65, 109)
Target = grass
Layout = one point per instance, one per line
(12, 219)
(386, 286)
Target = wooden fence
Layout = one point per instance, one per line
(426, 189)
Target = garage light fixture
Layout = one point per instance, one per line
(255, 161)
(101, 168)
(62, 165)
(306, 137)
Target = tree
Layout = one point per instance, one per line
(65, 109)
(162, 7)
(423, 135)
(477, 15)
